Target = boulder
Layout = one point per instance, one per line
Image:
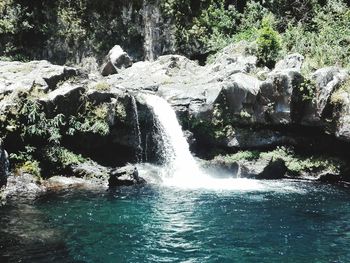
(96, 174)
(65, 99)
(238, 94)
(292, 61)
(260, 138)
(42, 75)
(342, 117)
(117, 59)
(326, 80)
(274, 99)
(263, 169)
(233, 59)
(23, 186)
(256, 168)
(276, 169)
(62, 182)
(126, 176)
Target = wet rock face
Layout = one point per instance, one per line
(326, 82)
(124, 176)
(117, 59)
(4, 166)
(25, 185)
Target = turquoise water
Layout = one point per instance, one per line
(283, 221)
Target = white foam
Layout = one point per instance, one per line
(181, 169)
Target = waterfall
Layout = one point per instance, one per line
(137, 129)
(180, 168)
(175, 150)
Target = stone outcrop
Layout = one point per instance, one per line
(326, 82)
(25, 185)
(229, 105)
(124, 176)
(41, 75)
(117, 59)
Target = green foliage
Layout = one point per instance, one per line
(268, 42)
(24, 162)
(300, 164)
(295, 163)
(30, 167)
(341, 96)
(62, 157)
(239, 156)
(102, 86)
(66, 31)
(307, 89)
(34, 122)
(93, 119)
(215, 25)
(325, 41)
(70, 25)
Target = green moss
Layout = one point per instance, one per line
(92, 119)
(102, 86)
(30, 167)
(295, 163)
(303, 164)
(239, 156)
(340, 96)
(24, 162)
(62, 157)
(307, 89)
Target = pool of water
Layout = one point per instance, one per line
(272, 221)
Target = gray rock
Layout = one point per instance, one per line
(23, 186)
(127, 176)
(275, 95)
(292, 61)
(39, 74)
(239, 94)
(262, 138)
(117, 59)
(65, 99)
(61, 182)
(327, 80)
(276, 169)
(96, 174)
(342, 118)
(259, 169)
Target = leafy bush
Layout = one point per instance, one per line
(24, 162)
(239, 156)
(93, 119)
(62, 157)
(325, 41)
(340, 96)
(268, 42)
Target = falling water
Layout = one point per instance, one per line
(180, 168)
(175, 147)
(137, 129)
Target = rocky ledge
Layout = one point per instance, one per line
(57, 120)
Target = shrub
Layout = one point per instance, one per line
(92, 119)
(268, 42)
(340, 96)
(62, 157)
(102, 86)
(325, 40)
